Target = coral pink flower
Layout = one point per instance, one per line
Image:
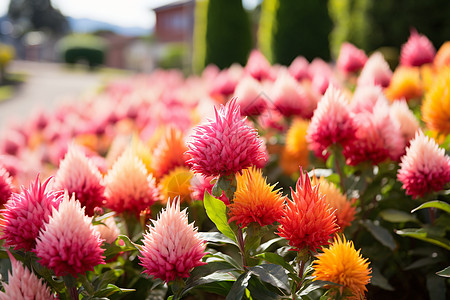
(417, 51)
(129, 187)
(23, 284)
(331, 124)
(226, 81)
(408, 123)
(308, 221)
(425, 167)
(6, 186)
(366, 97)
(321, 75)
(108, 230)
(258, 66)
(78, 174)
(288, 96)
(172, 247)
(351, 59)
(68, 243)
(250, 96)
(299, 68)
(27, 212)
(376, 71)
(200, 184)
(226, 145)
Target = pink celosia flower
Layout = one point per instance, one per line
(68, 243)
(418, 50)
(226, 81)
(376, 71)
(250, 96)
(321, 75)
(200, 184)
(366, 97)
(78, 174)
(27, 212)
(108, 230)
(225, 145)
(172, 247)
(129, 187)
(299, 68)
(408, 123)
(425, 167)
(331, 124)
(288, 96)
(23, 284)
(258, 66)
(351, 59)
(6, 186)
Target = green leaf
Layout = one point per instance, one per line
(316, 284)
(276, 259)
(397, 216)
(216, 237)
(436, 204)
(225, 257)
(445, 272)
(379, 280)
(263, 247)
(421, 234)
(259, 291)
(115, 248)
(238, 288)
(217, 212)
(111, 289)
(272, 274)
(381, 234)
(436, 287)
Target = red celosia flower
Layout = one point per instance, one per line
(172, 247)
(418, 50)
(425, 167)
(26, 213)
(308, 221)
(225, 145)
(68, 243)
(6, 186)
(351, 59)
(376, 71)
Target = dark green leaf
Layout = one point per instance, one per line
(381, 234)
(436, 204)
(272, 274)
(111, 289)
(238, 288)
(228, 259)
(276, 259)
(397, 216)
(106, 278)
(216, 237)
(259, 291)
(217, 212)
(263, 247)
(115, 248)
(421, 234)
(316, 284)
(436, 287)
(444, 273)
(379, 280)
(423, 262)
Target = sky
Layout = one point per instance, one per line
(127, 13)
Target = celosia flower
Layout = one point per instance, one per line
(24, 284)
(288, 96)
(108, 230)
(27, 212)
(299, 68)
(226, 145)
(366, 97)
(308, 221)
(129, 187)
(321, 75)
(68, 243)
(172, 247)
(143, 152)
(442, 57)
(250, 97)
(78, 174)
(331, 124)
(405, 83)
(255, 200)
(200, 184)
(176, 184)
(376, 71)
(295, 152)
(418, 50)
(351, 59)
(226, 81)
(342, 264)
(436, 106)
(6, 187)
(258, 66)
(425, 167)
(344, 209)
(405, 118)
(169, 153)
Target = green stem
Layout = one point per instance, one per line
(241, 244)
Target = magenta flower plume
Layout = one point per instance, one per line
(288, 97)
(425, 167)
(258, 66)
(351, 59)
(417, 51)
(299, 68)
(332, 123)
(78, 174)
(376, 71)
(24, 284)
(68, 243)
(172, 247)
(225, 145)
(249, 96)
(27, 212)
(6, 187)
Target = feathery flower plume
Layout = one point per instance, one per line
(376, 71)
(342, 264)
(321, 75)
(442, 57)
(249, 95)
(351, 59)
(418, 50)
(68, 243)
(108, 230)
(172, 247)
(331, 123)
(299, 68)
(255, 200)
(425, 167)
(24, 284)
(288, 96)
(295, 153)
(405, 83)
(308, 220)
(27, 212)
(6, 187)
(366, 97)
(129, 187)
(258, 66)
(408, 123)
(226, 145)
(176, 184)
(78, 174)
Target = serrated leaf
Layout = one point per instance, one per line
(381, 234)
(239, 286)
(436, 204)
(444, 273)
(217, 212)
(272, 274)
(216, 237)
(276, 259)
(421, 234)
(397, 216)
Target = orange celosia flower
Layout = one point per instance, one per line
(436, 106)
(296, 151)
(405, 83)
(255, 200)
(344, 209)
(442, 57)
(343, 265)
(308, 220)
(176, 184)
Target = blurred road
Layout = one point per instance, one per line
(46, 85)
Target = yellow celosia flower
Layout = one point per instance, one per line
(405, 83)
(295, 153)
(176, 184)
